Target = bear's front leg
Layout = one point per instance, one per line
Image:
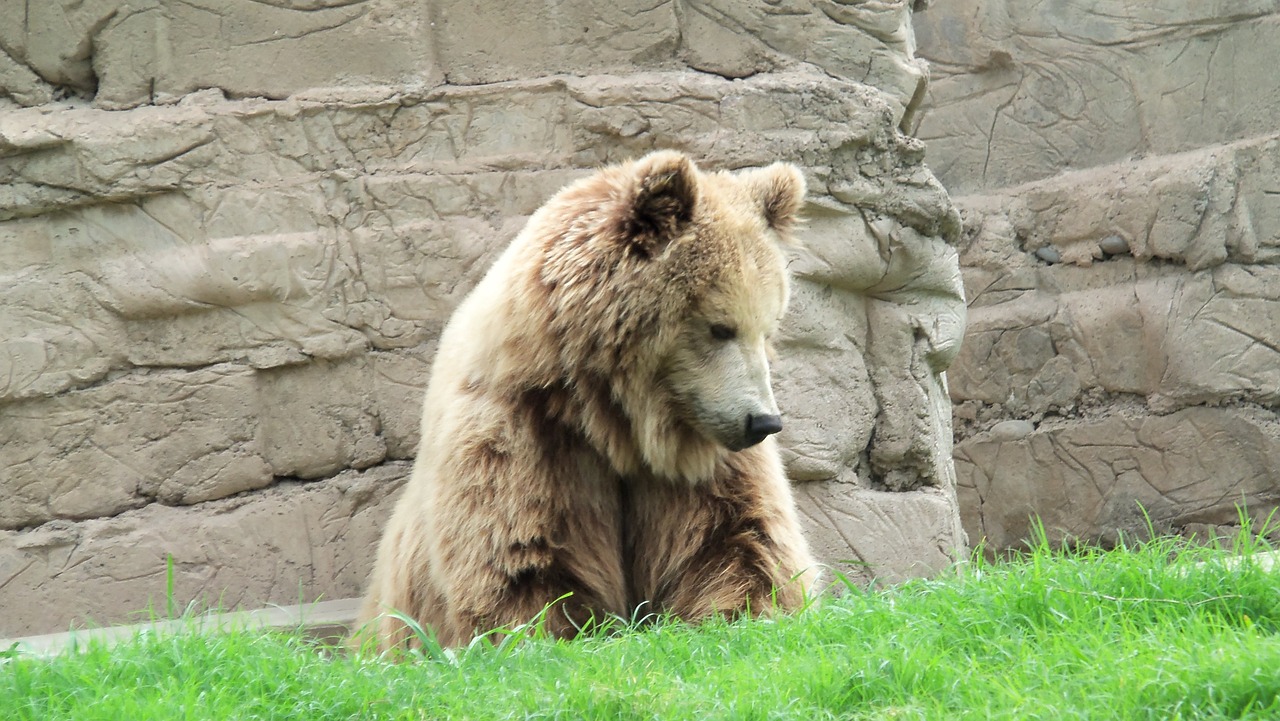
(520, 536)
(729, 546)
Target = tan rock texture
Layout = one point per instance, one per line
(231, 232)
(1119, 167)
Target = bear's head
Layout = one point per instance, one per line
(666, 285)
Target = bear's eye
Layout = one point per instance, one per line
(720, 331)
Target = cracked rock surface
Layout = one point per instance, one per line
(1118, 169)
(232, 233)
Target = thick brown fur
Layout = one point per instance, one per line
(577, 426)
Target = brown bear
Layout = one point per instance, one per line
(596, 429)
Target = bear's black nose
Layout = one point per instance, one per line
(761, 427)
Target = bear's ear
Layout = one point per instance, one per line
(664, 193)
(779, 189)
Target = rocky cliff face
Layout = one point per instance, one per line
(1119, 171)
(232, 231)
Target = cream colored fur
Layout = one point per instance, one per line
(577, 425)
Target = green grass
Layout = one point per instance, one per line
(1142, 633)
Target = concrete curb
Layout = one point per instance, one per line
(327, 621)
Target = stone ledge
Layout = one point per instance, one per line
(327, 621)
(1199, 209)
(842, 130)
(126, 54)
(183, 437)
(1087, 479)
(880, 536)
(289, 542)
(1174, 338)
(1021, 92)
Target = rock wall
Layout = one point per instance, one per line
(233, 230)
(1118, 167)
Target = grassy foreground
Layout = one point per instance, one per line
(1137, 634)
